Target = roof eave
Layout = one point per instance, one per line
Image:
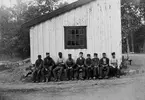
(55, 13)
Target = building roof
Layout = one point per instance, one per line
(55, 13)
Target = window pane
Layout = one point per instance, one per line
(81, 42)
(77, 31)
(73, 32)
(69, 43)
(75, 37)
(69, 37)
(77, 42)
(73, 43)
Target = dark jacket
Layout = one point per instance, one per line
(80, 61)
(95, 62)
(69, 63)
(39, 63)
(48, 61)
(104, 61)
(88, 62)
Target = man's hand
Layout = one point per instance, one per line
(89, 66)
(46, 69)
(113, 66)
(104, 65)
(82, 66)
(95, 66)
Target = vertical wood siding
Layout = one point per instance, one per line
(103, 21)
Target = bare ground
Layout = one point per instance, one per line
(131, 87)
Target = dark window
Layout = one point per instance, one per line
(75, 37)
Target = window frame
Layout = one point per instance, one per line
(84, 46)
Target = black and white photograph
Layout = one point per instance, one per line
(72, 49)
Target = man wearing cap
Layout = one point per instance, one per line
(59, 67)
(80, 65)
(37, 70)
(95, 64)
(69, 67)
(47, 68)
(104, 67)
(114, 65)
(89, 68)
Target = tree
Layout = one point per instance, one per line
(14, 40)
(132, 15)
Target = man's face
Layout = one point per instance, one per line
(81, 55)
(95, 56)
(39, 57)
(104, 55)
(47, 55)
(69, 56)
(60, 55)
(88, 56)
(113, 56)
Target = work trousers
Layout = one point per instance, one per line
(57, 72)
(69, 73)
(96, 71)
(89, 72)
(36, 76)
(103, 71)
(46, 74)
(81, 72)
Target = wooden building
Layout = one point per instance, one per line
(88, 26)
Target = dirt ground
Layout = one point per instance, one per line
(130, 87)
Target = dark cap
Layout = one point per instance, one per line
(47, 53)
(69, 54)
(81, 52)
(60, 53)
(104, 53)
(113, 53)
(39, 56)
(88, 55)
(95, 54)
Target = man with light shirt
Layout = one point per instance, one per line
(57, 72)
(114, 65)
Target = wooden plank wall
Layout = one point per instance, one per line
(103, 21)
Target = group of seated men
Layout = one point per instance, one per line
(80, 69)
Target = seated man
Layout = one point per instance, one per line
(95, 64)
(104, 67)
(37, 70)
(89, 68)
(59, 67)
(80, 65)
(69, 67)
(114, 65)
(47, 67)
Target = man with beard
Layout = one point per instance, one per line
(47, 68)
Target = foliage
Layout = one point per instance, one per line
(132, 12)
(13, 39)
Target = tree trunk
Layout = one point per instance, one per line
(132, 42)
(128, 47)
